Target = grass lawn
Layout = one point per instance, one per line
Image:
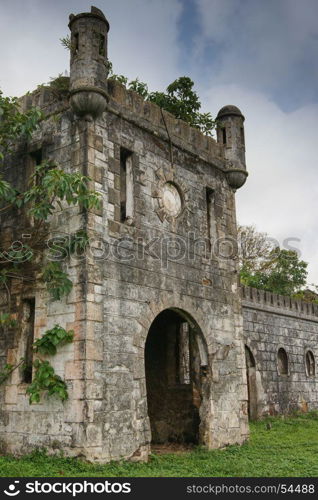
(289, 448)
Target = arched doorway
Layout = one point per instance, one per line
(176, 372)
(251, 383)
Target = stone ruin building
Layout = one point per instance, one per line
(168, 347)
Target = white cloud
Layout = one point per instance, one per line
(281, 192)
(142, 40)
(262, 57)
(269, 46)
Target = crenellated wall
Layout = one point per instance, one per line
(147, 115)
(272, 322)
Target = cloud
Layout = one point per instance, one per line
(142, 40)
(269, 46)
(281, 192)
(261, 56)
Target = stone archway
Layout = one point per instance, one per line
(176, 365)
(251, 383)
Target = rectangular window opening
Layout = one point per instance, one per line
(210, 218)
(28, 338)
(184, 354)
(76, 43)
(37, 156)
(126, 186)
(101, 50)
(224, 135)
(242, 137)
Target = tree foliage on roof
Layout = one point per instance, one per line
(180, 99)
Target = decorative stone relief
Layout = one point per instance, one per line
(171, 198)
(171, 194)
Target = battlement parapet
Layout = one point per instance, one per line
(45, 99)
(148, 115)
(280, 304)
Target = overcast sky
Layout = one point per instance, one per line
(260, 55)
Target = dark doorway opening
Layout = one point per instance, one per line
(251, 383)
(174, 374)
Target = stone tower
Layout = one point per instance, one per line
(89, 65)
(230, 133)
(158, 348)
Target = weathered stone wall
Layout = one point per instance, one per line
(133, 271)
(168, 251)
(50, 423)
(136, 282)
(136, 268)
(272, 322)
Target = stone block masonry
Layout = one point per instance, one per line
(275, 324)
(158, 353)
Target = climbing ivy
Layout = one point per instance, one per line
(6, 372)
(57, 282)
(7, 320)
(45, 379)
(48, 188)
(48, 343)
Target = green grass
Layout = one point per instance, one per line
(289, 448)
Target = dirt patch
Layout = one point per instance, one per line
(177, 448)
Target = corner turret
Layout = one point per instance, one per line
(89, 65)
(230, 133)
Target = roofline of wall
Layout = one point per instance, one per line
(260, 300)
(146, 115)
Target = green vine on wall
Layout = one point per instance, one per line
(57, 282)
(7, 320)
(48, 188)
(48, 343)
(45, 379)
(7, 370)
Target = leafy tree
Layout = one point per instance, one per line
(284, 273)
(254, 249)
(183, 102)
(264, 265)
(14, 124)
(180, 99)
(46, 188)
(308, 295)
